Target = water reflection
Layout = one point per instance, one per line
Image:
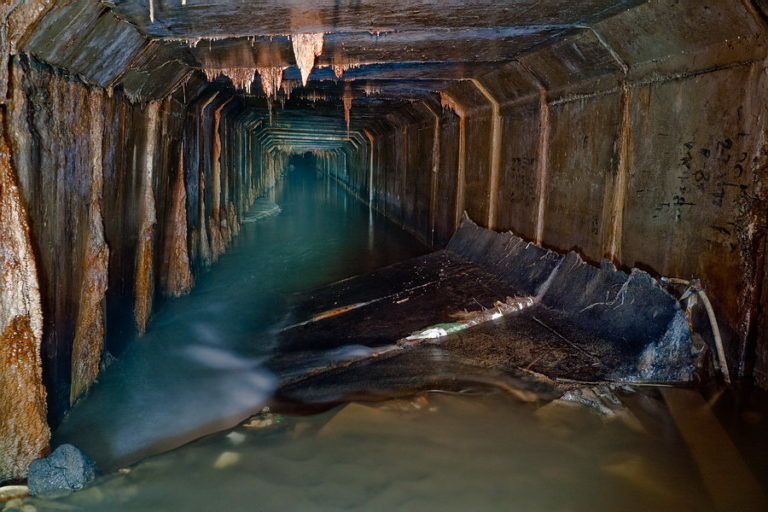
(197, 369)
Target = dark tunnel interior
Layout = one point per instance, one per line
(283, 222)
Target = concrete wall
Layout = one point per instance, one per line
(641, 139)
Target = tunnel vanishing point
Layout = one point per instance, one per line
(136, 133)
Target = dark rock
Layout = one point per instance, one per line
(67, 469)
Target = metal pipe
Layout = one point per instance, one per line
(695, 286)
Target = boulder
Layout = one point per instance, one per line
(66, 470)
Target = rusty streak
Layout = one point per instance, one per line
(622, 177)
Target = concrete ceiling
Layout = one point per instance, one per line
(381, 39)
(231, 18)
(386, 54)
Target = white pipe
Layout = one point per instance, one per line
(722, 362)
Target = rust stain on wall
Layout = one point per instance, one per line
(88, 342)
(24, 433)
(616, 219)
(144, 288)
(218, 244)
(542, 171)
(177, 277)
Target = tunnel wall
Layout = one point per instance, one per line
(124, 203)
(641, 140)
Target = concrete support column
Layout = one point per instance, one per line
(144, 287)
(216, 237)
(450, 102)
(435, 174)
(495, 149)
(542, 168)
(371, 145)
(613, 247)
(88, 341)
(615, 218)
(205, 246)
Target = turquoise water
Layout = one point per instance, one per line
(198, 368)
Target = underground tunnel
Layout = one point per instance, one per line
(383, 255)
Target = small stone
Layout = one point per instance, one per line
(604, 400)
(258, 423)
(10, 492)
(13, 505)
(226, 459)
(263, 419)
(236, 438)
(67, 469)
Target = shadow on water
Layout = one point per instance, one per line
(199, 368)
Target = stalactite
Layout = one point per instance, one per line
(450, 104)
(347, 98)
(314, 97)
(305, 48)
(24, 433)
(88, 341)
(151, 10)
(340, 67)
(271, 80)
(177, 277)
(371, 89)
(288, 86)
(241, 78)
(144, 278)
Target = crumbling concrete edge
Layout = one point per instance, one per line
(631, 310)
